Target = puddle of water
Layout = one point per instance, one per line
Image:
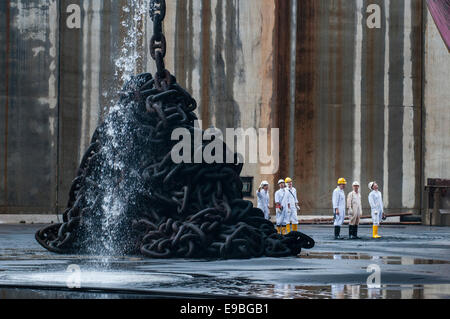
(342, 291)
(388, 260)
(90, 278)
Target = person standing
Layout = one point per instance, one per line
(354, 210)
(264, 199)
(376, 206)
(339, 207)
(293, 208)
(280, 207)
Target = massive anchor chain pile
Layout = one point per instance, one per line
(184, 210)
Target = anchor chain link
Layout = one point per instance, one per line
(158, 44)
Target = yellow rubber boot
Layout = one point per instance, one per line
(295, 227)
(375, 232)
(288, 228)
(279, 230)
(283, 230)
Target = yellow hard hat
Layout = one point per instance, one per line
(342, 181)
(288, 180)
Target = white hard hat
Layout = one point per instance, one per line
(355, 183)
(264, 183)
(280, 181)
(371, 185)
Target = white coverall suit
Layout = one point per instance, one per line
(263, 202)
(280, 197)
(340, 203)
(291, 194)
(376, 205)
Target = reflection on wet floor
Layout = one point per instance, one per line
(388, 260)
(121, 282)
(125, 273)
(145, 277)
(342, 291)
(6, 254)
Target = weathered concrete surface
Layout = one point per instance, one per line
(29, 105)
(437, 101)
(414, 263)
(358, 100)
(361, 107)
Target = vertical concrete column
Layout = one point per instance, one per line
(282, 51)
(436, 217)
(306, 110)
(266, 76)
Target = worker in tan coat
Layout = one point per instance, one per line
(354, 211)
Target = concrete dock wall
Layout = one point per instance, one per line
(29, 105)
(437, 102)
(353, 86)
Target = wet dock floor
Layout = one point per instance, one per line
(413, 262)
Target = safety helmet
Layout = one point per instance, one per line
(371, 185)
(342, 181)
(356, 183)
(280, 181)
(264, 183)
(288, 180)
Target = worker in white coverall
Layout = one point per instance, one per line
(377, 207)
(293, 207)
(354, 211)
(280, 207)
(263, 199)
(339, 204)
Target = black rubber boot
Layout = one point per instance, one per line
(355, 232)
(351, 232)
(337, 232)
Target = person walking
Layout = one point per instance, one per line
(338, 200)
(264, 199)
(280, 207)
(354, 210)
(377, 207)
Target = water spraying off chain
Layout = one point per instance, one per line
(116, 195)
(126, 63)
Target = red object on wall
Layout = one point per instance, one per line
(440, 10)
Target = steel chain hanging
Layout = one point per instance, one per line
(158, 44)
